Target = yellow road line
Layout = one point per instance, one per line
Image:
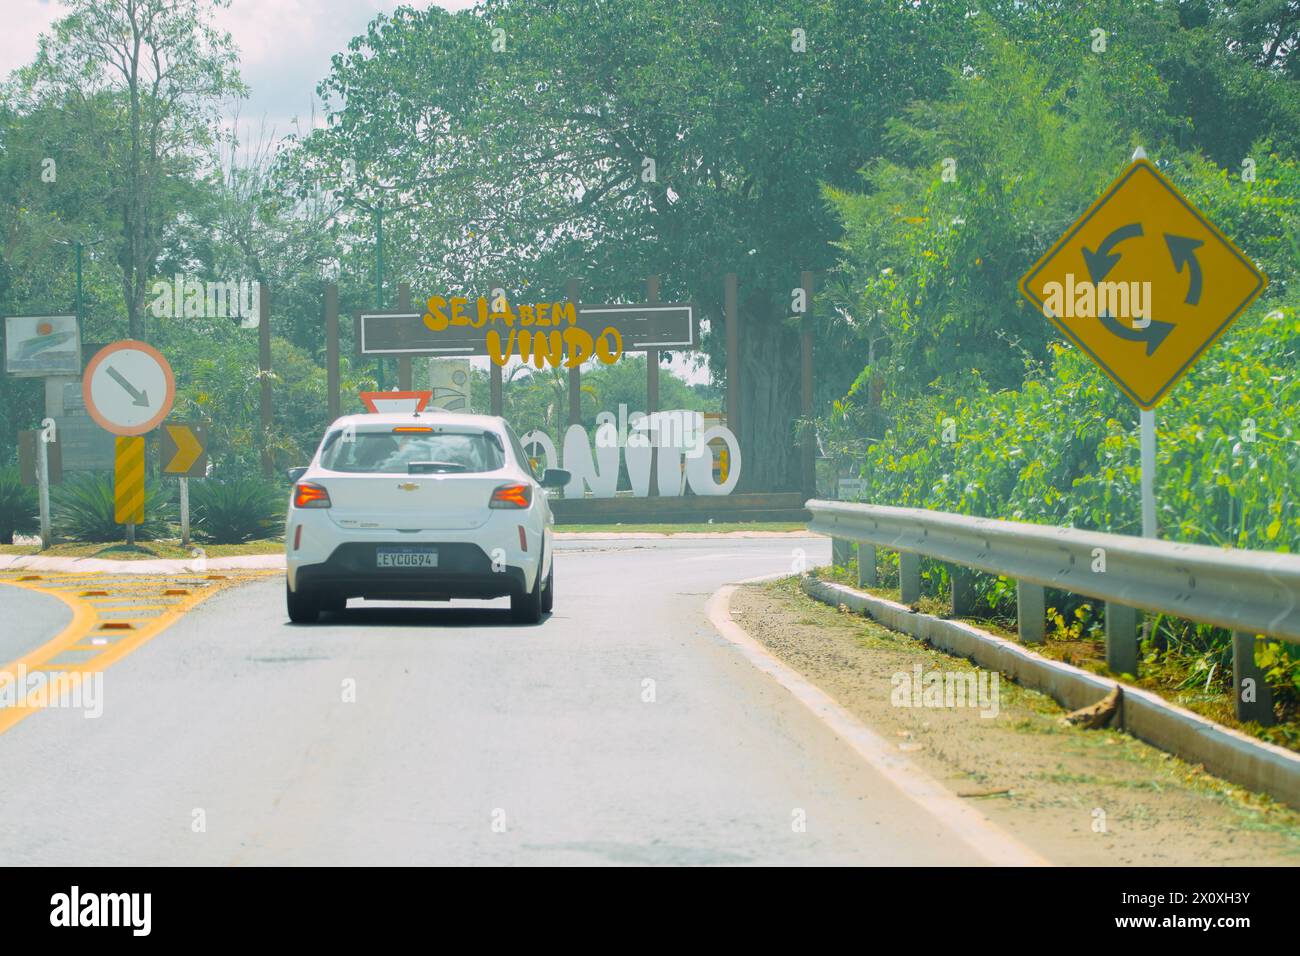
(88, 616)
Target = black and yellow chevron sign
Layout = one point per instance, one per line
(128, 480)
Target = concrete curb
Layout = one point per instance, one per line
(1224, 752)
(35, 562)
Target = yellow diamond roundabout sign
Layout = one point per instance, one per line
(1143, 283)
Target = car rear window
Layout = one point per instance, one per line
(407, 452)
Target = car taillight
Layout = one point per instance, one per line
(308, 495)
(512, 496)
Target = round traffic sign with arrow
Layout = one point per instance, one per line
(128, 388)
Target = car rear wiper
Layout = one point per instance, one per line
(434, 467)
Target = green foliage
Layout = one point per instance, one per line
(236, 510)
(969, 402)
(18, 506)
(83, 510)
(527, 166)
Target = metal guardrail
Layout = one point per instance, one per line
(1249, 592)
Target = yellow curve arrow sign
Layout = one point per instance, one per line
(188, 449)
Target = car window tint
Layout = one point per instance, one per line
(384, 452)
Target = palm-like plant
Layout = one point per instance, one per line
(84, 509)
(236, 510)
(18, 505)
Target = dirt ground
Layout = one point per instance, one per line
(1081, 797)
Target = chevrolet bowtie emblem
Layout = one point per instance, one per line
(409, 486)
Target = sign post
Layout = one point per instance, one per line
(1147, 438)
(183, 451)
(43, 477)
(128, 484)
(185, 511)
(129, 389)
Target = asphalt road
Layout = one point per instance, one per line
(623, 730)
(29, 618)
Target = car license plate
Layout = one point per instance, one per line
(406, 558)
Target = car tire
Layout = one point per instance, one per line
(548, 591)
(334, 604)
(527, 608)
(302, 606)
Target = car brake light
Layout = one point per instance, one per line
(308, 495)
(412, 430)
(512, 496)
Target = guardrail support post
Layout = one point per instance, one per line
(1121, 638)
(909, 577)
(1031, 612)
(866, 565)
(963, 590)
(841, 551)
(1254, 701)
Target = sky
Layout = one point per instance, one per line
(285, 48)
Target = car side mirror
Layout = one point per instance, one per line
(555, 478)
(296, 473)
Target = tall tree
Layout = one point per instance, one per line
(531, 142)
(164, 69)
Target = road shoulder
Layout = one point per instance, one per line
(1096, 797)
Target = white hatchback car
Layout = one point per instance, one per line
(424, 506)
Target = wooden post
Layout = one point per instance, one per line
(496, 399)
(264, 371)
(732, 312)
(494, 385)
(404, 361)
(652, 388)
(332, 349)
(808, 471)
(575, 373)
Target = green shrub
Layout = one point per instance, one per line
(18, 506)
(83, 510)
(1063, 450)
(235, 510)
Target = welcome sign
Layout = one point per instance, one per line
(543, 333)
(675, 443)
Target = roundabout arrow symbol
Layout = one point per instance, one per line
(1100, 262)
(1183, 251)
(1103, 260)
(1152, 336)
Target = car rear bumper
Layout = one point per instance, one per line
(464, 571)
